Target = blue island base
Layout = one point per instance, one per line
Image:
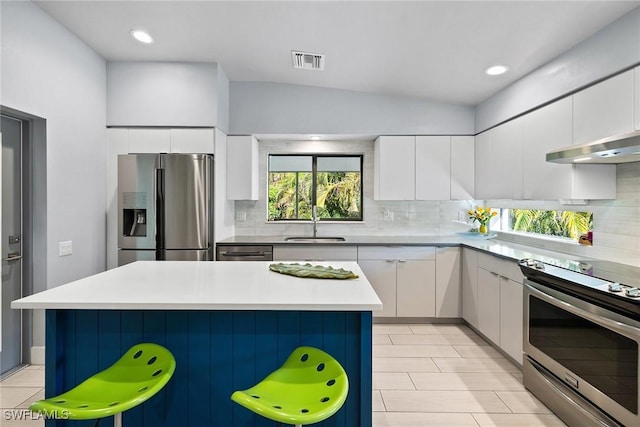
(216, 353)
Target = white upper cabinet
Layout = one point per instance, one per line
(462, 168)
(604, 109)
(433, 167)
(637, 97)
(394, 168)
(242, 168)
(483, 165)
(192, 140)
(165, 140)
(424, 168)
(149, 141)
(544, 130)
(506, 156)
(499, 162)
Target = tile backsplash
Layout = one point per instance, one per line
(616, 222)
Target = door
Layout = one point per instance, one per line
(184, 220)
(136, 201)
(11, 243)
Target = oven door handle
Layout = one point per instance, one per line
(603, 320)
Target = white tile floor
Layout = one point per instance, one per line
(446, 375)
(424, 375)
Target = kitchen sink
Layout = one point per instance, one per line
(308, 239)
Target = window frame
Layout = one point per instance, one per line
(314, 183)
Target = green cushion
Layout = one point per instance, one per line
(139, 374)
(308, 388)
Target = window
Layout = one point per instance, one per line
(568, 224)
(332, 183)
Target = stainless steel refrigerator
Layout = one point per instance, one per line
(165, 207)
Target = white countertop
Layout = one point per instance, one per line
(192, 285)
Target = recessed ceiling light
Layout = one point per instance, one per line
(142, 36)
(496, 70)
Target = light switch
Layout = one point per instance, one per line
(65, 248)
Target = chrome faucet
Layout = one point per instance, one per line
(314, 218)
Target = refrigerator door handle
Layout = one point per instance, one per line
(159, 185)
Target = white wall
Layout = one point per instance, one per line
(48, 72)
(223, 100)
(611, 50)
(276, 108)
(162, 94)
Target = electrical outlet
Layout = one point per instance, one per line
(241, 216)
(65, 248)
(387, 215)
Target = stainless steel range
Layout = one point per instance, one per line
(581, 340)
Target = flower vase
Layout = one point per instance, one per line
(483, 229)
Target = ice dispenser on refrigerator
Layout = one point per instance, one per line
(165, 207)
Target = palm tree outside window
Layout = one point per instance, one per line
(333, 183)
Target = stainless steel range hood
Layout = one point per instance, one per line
(623, 148)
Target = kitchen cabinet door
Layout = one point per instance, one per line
(242, 168)
(544, 130)
(470, 286)
(382, 276)
(315, 253)
(448, 288)
(433, 167)
(506, 161)
(394, 168)
(192, 141)
(149, 141)
(604, 109)
(462, 168)
(484, 165)
(489, 304)
(416, 288)
(511, 318)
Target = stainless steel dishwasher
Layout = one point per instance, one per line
(244, 253)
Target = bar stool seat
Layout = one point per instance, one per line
(138, 375)
(308, 388)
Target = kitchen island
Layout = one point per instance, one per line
(228, 324)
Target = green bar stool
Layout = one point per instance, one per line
(309, 387)
(139, 374)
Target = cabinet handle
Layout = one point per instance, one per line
(402, 260)
(391, 260)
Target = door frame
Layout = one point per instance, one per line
(34, 227)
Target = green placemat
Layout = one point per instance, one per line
(312, 271)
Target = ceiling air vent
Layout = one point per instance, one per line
(307, 61)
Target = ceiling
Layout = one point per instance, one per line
(424, 49)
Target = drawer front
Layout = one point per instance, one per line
(315, 253)
(501, 267)
(397, 252)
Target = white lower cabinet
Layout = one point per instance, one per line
(382, 276)
(403, 277)
(511, 318)
(489, 304)
(470, 286)
(492, 299)
(448, 288)
(416, 288)
(315, 253)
